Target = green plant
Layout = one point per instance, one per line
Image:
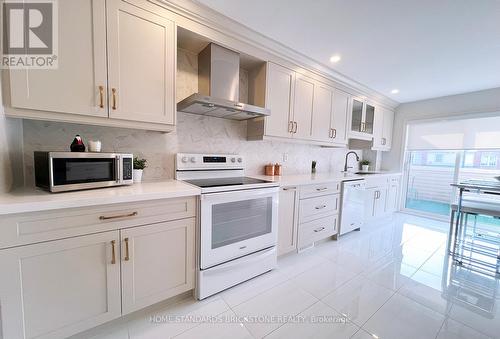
(140, 164)
(365, 162)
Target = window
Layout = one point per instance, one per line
(488, 159)
(469, 157)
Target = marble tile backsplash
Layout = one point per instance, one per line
(194, 134)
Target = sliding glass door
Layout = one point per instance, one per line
(430, 173)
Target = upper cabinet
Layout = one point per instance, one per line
(279, 99)
(78, 85)
(383, 126)
(303, 109)
(141, 64)
(116, 67)
(362, 119)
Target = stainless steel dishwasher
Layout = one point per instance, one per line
(352, 214)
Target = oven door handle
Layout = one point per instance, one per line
(230, 196)
(247, 259)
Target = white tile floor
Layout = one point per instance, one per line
(390, 280)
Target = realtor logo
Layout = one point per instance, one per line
(29, 34)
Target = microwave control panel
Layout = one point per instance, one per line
(127, 169)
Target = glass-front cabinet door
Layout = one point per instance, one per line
(357, 115)
(362, 119)
(369, 118)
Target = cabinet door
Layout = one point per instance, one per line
(58, 288)
(380, 201)
(157, 262)
(339, 117)
(369, 119)
(378, 130)
(357, 115)
(74, 87)
(322, 113)
(303, 107)
(392, 195)
(387, 129)
(370, 205)
(287, 220)
(279, 99)
(141, 64)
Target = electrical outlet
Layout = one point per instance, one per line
(285, 157)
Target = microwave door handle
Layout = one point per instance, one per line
(117, 169)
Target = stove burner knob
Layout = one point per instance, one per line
(192, 159)
(233, 159)
(240, 159)
(184, 159)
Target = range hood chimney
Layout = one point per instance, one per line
(219, 87)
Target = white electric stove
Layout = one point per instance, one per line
(237, 228)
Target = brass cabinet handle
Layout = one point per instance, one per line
(290, 127)
(133, 214)
(288, 188)
(320, 207)
(319, 229)
(295, 124)
(334, 133)
(321, 189)
(127, 254)
(113, 252)
(113, 90)
(101, 96)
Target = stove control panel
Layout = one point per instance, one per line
(188, 161)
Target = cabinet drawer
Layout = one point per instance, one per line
(320, 189)
(29, 228)
(314, 208)
(316, 230)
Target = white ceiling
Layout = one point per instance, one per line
(424, 48)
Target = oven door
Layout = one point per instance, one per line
(237, 223)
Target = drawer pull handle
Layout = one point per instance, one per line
(127, 254)
(320, 207)
(133, 214)
(113, 252)
(319, 229)
(321, 189)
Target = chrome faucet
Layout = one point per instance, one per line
(347, 157)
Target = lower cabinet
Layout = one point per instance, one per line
(381, 196)
(157, 262)
(287, 220)
(58, 288)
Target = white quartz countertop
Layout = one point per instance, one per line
(319, 178)
(33, 200)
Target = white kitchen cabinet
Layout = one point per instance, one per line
(392, 202)
(141, 64)
(116, 67)
(376, 200)
(279, 99)
(340, 114)
(287, 220)
(157, 262)
(58, 288)
(382, 136)
(322, 113)
(303, 107)
(330, 112)
(362, 119)
(79, 84)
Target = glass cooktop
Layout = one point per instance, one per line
(220, 182)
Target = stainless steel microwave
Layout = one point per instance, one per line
(70, 171)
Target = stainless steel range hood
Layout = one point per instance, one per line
(218, 85)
